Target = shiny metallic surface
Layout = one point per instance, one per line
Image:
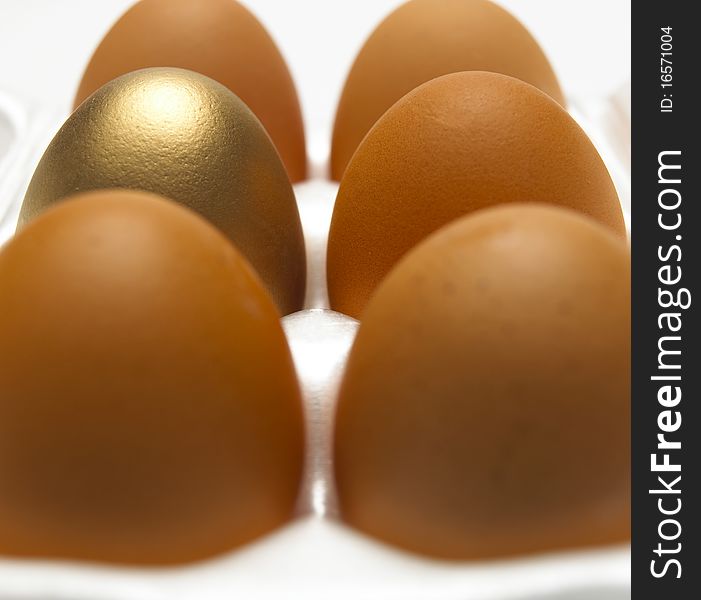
(186, 137)
(218, 38)
(319, 341)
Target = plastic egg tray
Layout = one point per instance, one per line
(316, 556)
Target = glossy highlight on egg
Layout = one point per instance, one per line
(186, 137)
(218, 38)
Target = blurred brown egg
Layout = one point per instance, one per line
(485, 409)
(422, 40)
(456, 144)
(149, 410)
(218, 38)
(184, 136)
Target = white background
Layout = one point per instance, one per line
(45, 45)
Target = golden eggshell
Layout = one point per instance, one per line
(485, 409)
(422, 40)
(456, 144)
(150, 413)
(218, 38)
(184, 136)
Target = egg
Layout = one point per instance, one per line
(485, 408)
(456, 144)
(149, 413)
(218, 38)
(422, 40)
(184, 136)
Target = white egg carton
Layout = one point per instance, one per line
(316, 557)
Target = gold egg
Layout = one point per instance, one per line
(218, 38)
(184, 136)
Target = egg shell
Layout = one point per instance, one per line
(422, 40)
(456, 144)
(218, 38)
(184, 136)
(485, 407)
(149, 412)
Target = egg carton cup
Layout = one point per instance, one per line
(26, 128)
(317, 557)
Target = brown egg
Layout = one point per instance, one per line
(184, 136)
(422, 40)
(456, 144)
(149, 411)
(485, 409)
(218, 38)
